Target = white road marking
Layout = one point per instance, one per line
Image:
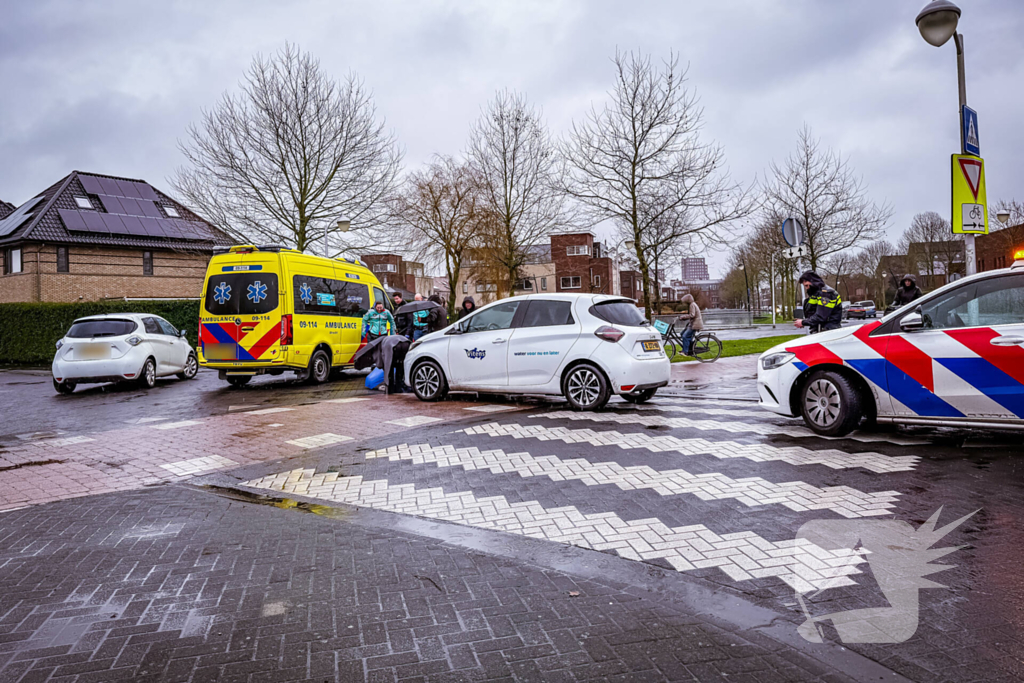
(742, 556)
(66, 441)
(491, 408)
(176, 425)
(232, 409)
(318, 440)
(344, 400)
(752, 491)
(146, 420)
(270, 411)
(34, 436)
(794, 455)
(413, 421)
(183, 468)
(276, 424)
(762, 428)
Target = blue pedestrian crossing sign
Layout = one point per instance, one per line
(969, 131)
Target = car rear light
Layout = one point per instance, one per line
(286, 330)
(628, 387)
(134, 341)
(609, 334)
(129, 375)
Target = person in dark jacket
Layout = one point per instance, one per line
(438, 318)
(907, 292)
(468, 306)
(823, 308)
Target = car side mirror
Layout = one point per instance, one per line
(182, 334)
(912, 321)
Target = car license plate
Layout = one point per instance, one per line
(94, 351)
(652, 346)
(219, 351)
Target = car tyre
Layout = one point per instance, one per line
(65, 387)
(239, 380)
(585, 388)
(319, 368)
(147, 378)
(191, 368)
(830, 404)
(643, 397)
(428, 381)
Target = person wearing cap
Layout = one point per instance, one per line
(823, 308)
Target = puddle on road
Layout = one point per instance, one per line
(279, 502)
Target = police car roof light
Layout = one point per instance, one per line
(1018, 259)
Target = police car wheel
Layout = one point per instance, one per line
(585, 388)
(428, 381)
(64, 387)
(830, 404)
(642, 397)
(147, 378)
(319, 368)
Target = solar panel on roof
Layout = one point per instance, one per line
(153, 227)
(72, 219)
(128, 189)
(109, 186)
(146, 191)
(149, 209)
(94, 221)
(18, 216)
(131, 206)
(114, 224)
(91, 184)
(111, 204)
(133, 225)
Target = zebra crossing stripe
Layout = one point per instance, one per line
(734, 412)
(752, 491)
(801, 564)
(762, 428)
(793, 455)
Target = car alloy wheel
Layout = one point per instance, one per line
(147, 378)
(64, 387)
(823, 402)
(428, 382)
(191, 368)
(585, 388)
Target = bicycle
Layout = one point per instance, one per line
(707, 348)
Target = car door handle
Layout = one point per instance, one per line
(248, 328)
(1006, 340)
(499, 341)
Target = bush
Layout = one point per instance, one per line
(29, 331)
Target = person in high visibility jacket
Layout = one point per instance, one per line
(823, 308)
(378, 322)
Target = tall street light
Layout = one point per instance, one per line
(937, 23)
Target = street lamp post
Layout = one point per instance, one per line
(937, 23)
(343, 226)
(746, 283)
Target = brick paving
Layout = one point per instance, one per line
(173, 584)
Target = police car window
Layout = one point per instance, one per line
(994, 301)
(86, 329)
(545, 313)
(618, 313)
(241, 293)
(152, 326)
(497, 317)
(166, 327)
(325, 296)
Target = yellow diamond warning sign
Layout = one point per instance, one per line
(970, 205)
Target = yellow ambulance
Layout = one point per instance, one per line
(270, 310)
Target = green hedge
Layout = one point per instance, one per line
(28, 332)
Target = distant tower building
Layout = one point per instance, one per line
(695, 268)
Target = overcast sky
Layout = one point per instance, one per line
(111, 86)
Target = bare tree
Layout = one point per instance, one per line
(1012, 235)
(436, 216)
(516, 166)
(290, 155)
(819, 187)
(641, 163)
(931, 246)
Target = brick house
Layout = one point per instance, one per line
(996, 249)
(580, 265)
(90, 237)
(399, 275)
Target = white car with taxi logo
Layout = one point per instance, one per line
(585, 347)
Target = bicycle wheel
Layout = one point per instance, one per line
(706, 348)
(673, 347)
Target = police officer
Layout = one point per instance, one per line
(823, 308)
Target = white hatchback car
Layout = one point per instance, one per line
(585, 347)
(121, 347)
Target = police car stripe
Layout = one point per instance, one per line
(1008, 359)
(998, 389)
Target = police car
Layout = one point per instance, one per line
(585, 347)
(954, 357)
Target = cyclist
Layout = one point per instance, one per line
(694, 323)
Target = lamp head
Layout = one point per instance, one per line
(344, 225)
(1003, 216)
(937, 21)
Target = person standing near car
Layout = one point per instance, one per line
(419, 321)
(378, 322)
(823, 308)
(694, 322)
(437, 318)
(468, 306)
(908, 291)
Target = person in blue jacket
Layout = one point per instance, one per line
(378, 322)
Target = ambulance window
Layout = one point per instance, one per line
(353, 298)
(241, 293)
(378, 295)
(314, 295)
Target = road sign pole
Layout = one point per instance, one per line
(970, 256)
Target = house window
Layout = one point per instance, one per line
(465, 287)
(12, 262)
(147, 263)
(83, 203)
(597, 280)
(544, 284)
(385, 268)
(572, 282)
(172, 212)
(486, 288)
(524, 284)
(62, 259)
(578, 250)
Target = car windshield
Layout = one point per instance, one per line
(618, 313)
(85, 329)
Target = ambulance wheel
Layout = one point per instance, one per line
(428, 381)
(65, 387)
(830, 404)
(147, 378)
(319, 368)
(643, 397)
(585, 388)
(239, 380)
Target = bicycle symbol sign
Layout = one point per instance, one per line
(973, 217)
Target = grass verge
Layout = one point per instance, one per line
(746, 347)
